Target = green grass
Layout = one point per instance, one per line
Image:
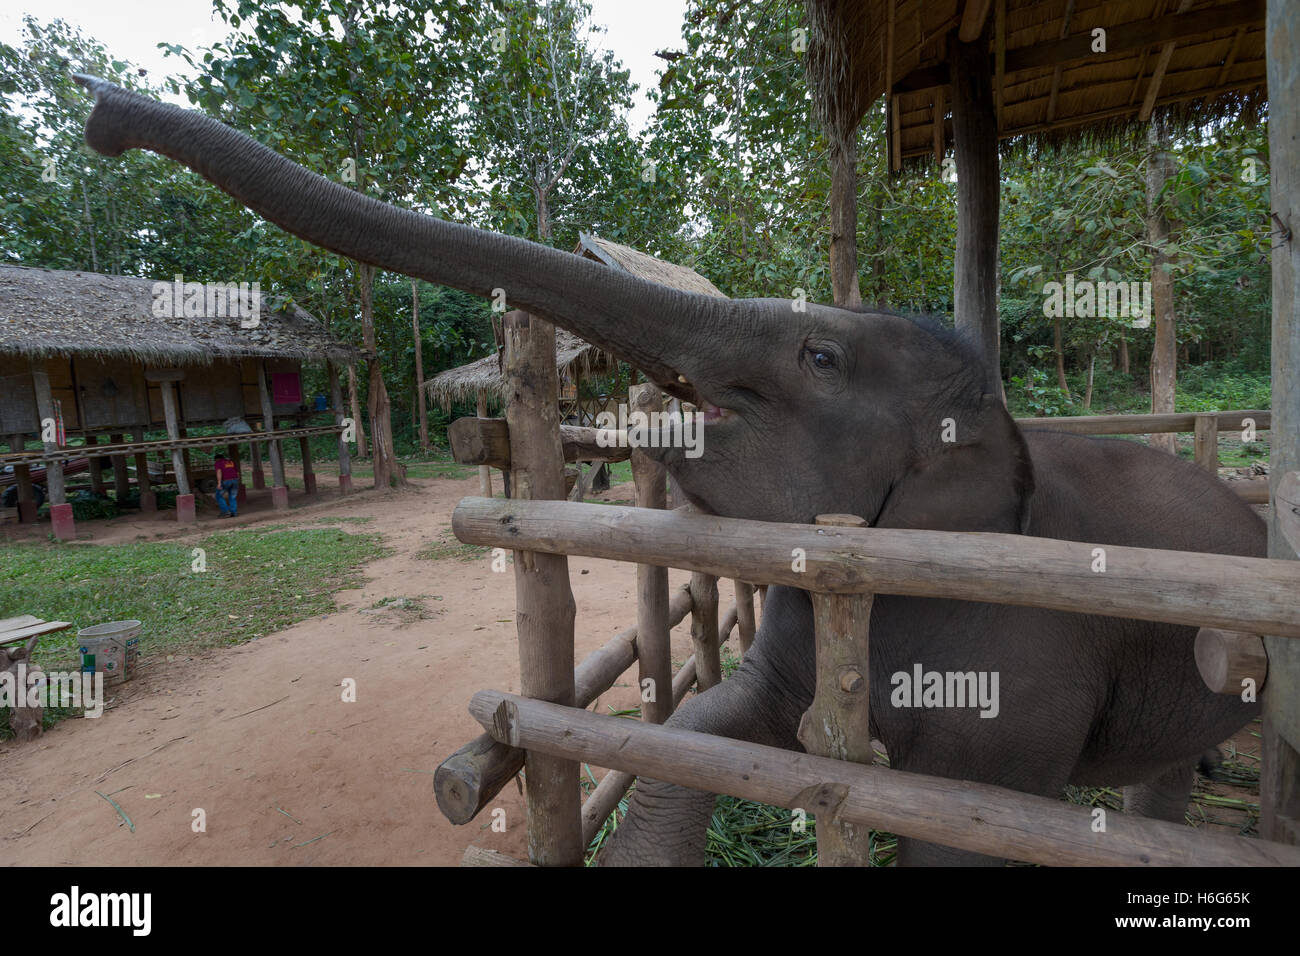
(258, 580)
(451, 548)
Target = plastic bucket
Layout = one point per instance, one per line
(111, 649)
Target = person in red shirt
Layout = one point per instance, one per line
(227, 486)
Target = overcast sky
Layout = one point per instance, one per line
(131, 29)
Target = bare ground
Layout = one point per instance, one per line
(258, 736)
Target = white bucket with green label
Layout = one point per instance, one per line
(111, 649)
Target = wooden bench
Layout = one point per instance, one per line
(18, 637)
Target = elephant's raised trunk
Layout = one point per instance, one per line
(654, 327)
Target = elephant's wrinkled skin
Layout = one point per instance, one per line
(825, 410)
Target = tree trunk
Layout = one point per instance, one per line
(388, 470)
(1123, 353)
(1164, 357)
(1061, 383)
(1092, 364)
(419, 368)
(363, 450)
(844, 220)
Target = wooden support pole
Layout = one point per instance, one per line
(745, 614)
(474, 774)
(168, 391)
(61, 519)
(96, 470)
(259, 476)
(345, 455)
(1280, 754)
(969, 816)
(975, 141)
(838, 724)
(148, 500)
(704, 629)
(543, 599)
(1150, 584)
(308, 476)
(27, 507)
(484, 471)
(121, 477)
(1226, 659)
(654, 652)
(185, 512)
(279, 490)
(1207, 443)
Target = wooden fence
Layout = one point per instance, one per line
(546, 729)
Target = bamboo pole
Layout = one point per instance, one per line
(543, 599)
(838, 724)
(1180, 587)
(969, 816)
(654, 651)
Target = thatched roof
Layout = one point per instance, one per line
(572, 354)
(47, 312)
(1179, 61)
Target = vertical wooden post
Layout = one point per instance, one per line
(838, 724)
(975, 136)
(279, 490)
(419, 367)
(1279, 782)
(148, 500)
(259, 476)
(1207, 443)
(60, 511)
(543, 598)
(345, 456)
(308, 476)
(704, 630)
(121, 479)
(484, 472)
(96, 472)
(654, 656)
(184, 497)
(185, 452)
(745, 615)
(26, 490)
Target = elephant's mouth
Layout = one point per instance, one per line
(679, 386)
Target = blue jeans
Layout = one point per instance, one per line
(227, 495)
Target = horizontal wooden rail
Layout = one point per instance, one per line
(486, 441)
(969, 816)
(1145, 424)
(130, 448)
(1233, 593)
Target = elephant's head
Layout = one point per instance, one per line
(808, 408)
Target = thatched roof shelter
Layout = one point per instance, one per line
(1185, 61)
(573, 356)
(48, 312)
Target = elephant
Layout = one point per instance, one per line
(811, 409)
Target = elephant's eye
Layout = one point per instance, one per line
(822, 359)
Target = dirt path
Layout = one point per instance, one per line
(240, 732)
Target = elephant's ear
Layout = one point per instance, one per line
(980, 482)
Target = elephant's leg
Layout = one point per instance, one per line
(1162, 798)
(666, 824)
